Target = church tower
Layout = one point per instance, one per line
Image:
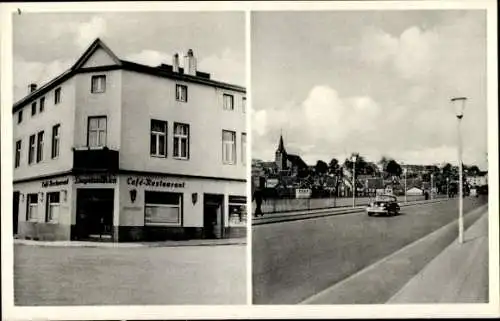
(280, 155)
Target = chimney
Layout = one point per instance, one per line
(175, 62)
(190, 63)
(32, 87)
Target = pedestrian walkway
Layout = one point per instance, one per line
(458, 275)
(195, 242)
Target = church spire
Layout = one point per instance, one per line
(281, 145)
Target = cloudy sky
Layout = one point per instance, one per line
(377, 83)
(46, 44)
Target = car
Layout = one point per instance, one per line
(383, 205)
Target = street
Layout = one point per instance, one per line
(293, 261)
(131, 276)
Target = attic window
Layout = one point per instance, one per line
(98, 84)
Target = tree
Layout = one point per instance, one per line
(360, 164)
(393, 168)
(474, 170)
(333, 166)
(321, 167)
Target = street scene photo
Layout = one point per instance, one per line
(129, 158)
(369, 173)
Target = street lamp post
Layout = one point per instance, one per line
(432, 185)
(447, 187)
(354, 158)
(404, 172)
(459, 105)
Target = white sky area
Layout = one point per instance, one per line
(377, 83)
(47, 44)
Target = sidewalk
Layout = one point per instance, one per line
(458, 275)
(200, 242)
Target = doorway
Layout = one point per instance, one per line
(213, 216)
(15, 214)
(94, 214)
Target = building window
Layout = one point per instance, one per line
(181, 141)
(52, 214)
(237, 211)
(98, 84)
(39, 147)
(20, 116)
(32, 148)
(32, 207)
(57, 96)
(55, 140)
(17, 160)
(42, 104)
(158, 144)
(244, 104)
(97, 131)
(228, 147)
(228, 102)
(181, 93)
(33, 108)
(243, 148)
(163, 209)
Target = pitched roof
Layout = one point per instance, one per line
(296, 160)
(281, 145)
(77, 67)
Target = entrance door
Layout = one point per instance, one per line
(213, 216)
(15, 214)
(94, 214)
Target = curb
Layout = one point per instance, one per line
(91, 244)
(305, 214)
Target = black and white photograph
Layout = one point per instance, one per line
(369, 157)
(129, 181)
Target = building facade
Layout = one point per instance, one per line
(116, 150)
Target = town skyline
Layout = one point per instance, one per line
(378, 83)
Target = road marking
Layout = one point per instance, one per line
(387, 258)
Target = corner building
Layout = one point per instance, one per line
(119, 151)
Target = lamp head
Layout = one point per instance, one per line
(459, 106)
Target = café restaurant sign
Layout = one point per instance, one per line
(51, 182)
(147, 181)
(95, 179)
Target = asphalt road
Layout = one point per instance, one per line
(294, 260)
(132, 276)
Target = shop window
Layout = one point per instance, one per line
(228, 147)
(17, 160)
(32, 207)
(32, 148)
(237, 211)
(181, 93)
(98, 84)
(228, 102)
(52, 215)
(97, 131)
(181, 141)
(158, 142)
(162, 209)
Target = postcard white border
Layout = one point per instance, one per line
(10, 312)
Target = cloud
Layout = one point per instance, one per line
(225, 67)
(150, 57)
(86, 32)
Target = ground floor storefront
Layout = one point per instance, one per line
(129, 207)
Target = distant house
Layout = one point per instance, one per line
(414, 191)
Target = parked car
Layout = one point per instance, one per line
(383, 205)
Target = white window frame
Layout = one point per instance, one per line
(56, 133)
(229, 145)
(32, 208)
(39, 146)
(243, 148)
(57, 95)
(50, 217)
(98, 84)
(31, 149)
(17, 156)
(157, 135)
(178, 138)
(181, 93)
(98, 131)
(227, 102)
